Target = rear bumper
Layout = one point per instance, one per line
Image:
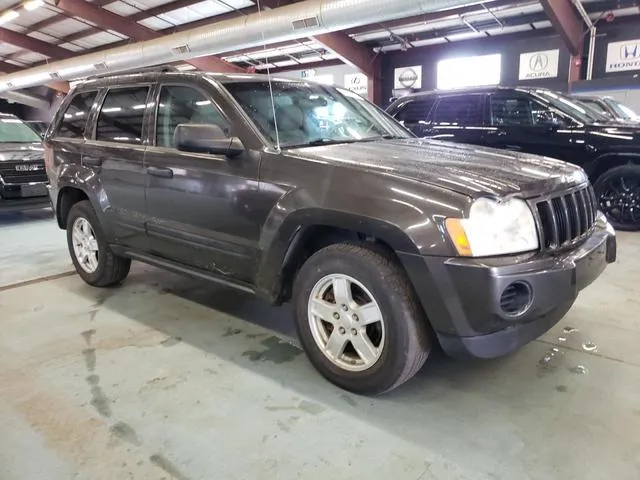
(462, 296)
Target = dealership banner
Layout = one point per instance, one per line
(623, 56)
(534, 65)
(407, 77)
(357, 83)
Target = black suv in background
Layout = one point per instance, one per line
(542, 122)
(23, 179)
(384, 242)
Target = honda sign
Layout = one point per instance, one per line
(623, 56)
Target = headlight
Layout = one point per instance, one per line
(494, 228)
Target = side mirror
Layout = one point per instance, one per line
(206, 138)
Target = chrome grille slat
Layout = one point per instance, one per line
(10, 175)
(565, 218)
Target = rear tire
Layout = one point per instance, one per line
(377, 338)
(618, 194)
(93, 259)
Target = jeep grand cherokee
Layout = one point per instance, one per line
(384, 243)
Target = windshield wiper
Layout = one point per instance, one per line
(320, 141)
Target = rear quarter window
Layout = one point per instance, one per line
(74, 119)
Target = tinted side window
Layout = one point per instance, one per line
(75, 116)
(121, 115)
(184, 105)
(511, 110)
(459, 110)
(415, 111)
(520, 110)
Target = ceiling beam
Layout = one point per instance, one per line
(33, 44)
(106, 19)
(8, 67)
(111, 21)
(566, 22)
(349, 51)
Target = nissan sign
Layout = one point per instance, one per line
(407, 77)
(623, 56)
(534, 65)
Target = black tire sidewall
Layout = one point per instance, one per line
(615, 173)
(85, 210)
(396, 312)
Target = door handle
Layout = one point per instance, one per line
(499, 132)
(92, 161)
(160, 172)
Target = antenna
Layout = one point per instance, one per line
(273, 104)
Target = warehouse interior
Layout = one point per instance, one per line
(162, 375)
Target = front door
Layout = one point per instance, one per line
(458, 118)
(115, 152)
(196, 202)
(523, 124)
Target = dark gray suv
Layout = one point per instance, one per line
(384, 243)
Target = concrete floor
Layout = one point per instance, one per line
(171, 378)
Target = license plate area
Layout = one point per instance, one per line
(36, 190)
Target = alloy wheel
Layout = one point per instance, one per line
(346, 322)
(620, 199)
(85, 245)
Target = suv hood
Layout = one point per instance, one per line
(28, 152)
(466, 169)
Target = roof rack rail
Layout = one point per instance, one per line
(155, 69)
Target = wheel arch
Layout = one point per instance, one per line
(68, 196)
(305, 232)
(611, 160)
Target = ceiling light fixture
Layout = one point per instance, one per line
(8, 16)
(32, 4)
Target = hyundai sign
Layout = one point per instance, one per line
(623, 56)
(535, 65)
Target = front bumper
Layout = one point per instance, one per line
(15, 197)
(462, 296)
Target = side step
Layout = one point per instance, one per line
(179, 268)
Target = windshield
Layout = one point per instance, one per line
(312, 114)
(569, 106)
(622, 111)
(12, 130)
(594, 107)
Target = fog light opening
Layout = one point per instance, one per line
(516, 299)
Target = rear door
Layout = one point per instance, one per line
(66, 143)
(198, 204)
(459, 118)
(115, 152)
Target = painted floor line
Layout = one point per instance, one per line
(47, 278)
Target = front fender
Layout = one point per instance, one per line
(407, 221)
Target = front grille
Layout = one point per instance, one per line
(566, 218)
(9, 174)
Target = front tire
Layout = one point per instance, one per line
(618, 194)
(93, 259)
(358, 319)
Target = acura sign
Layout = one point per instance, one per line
(623, 56)
(534, 65)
